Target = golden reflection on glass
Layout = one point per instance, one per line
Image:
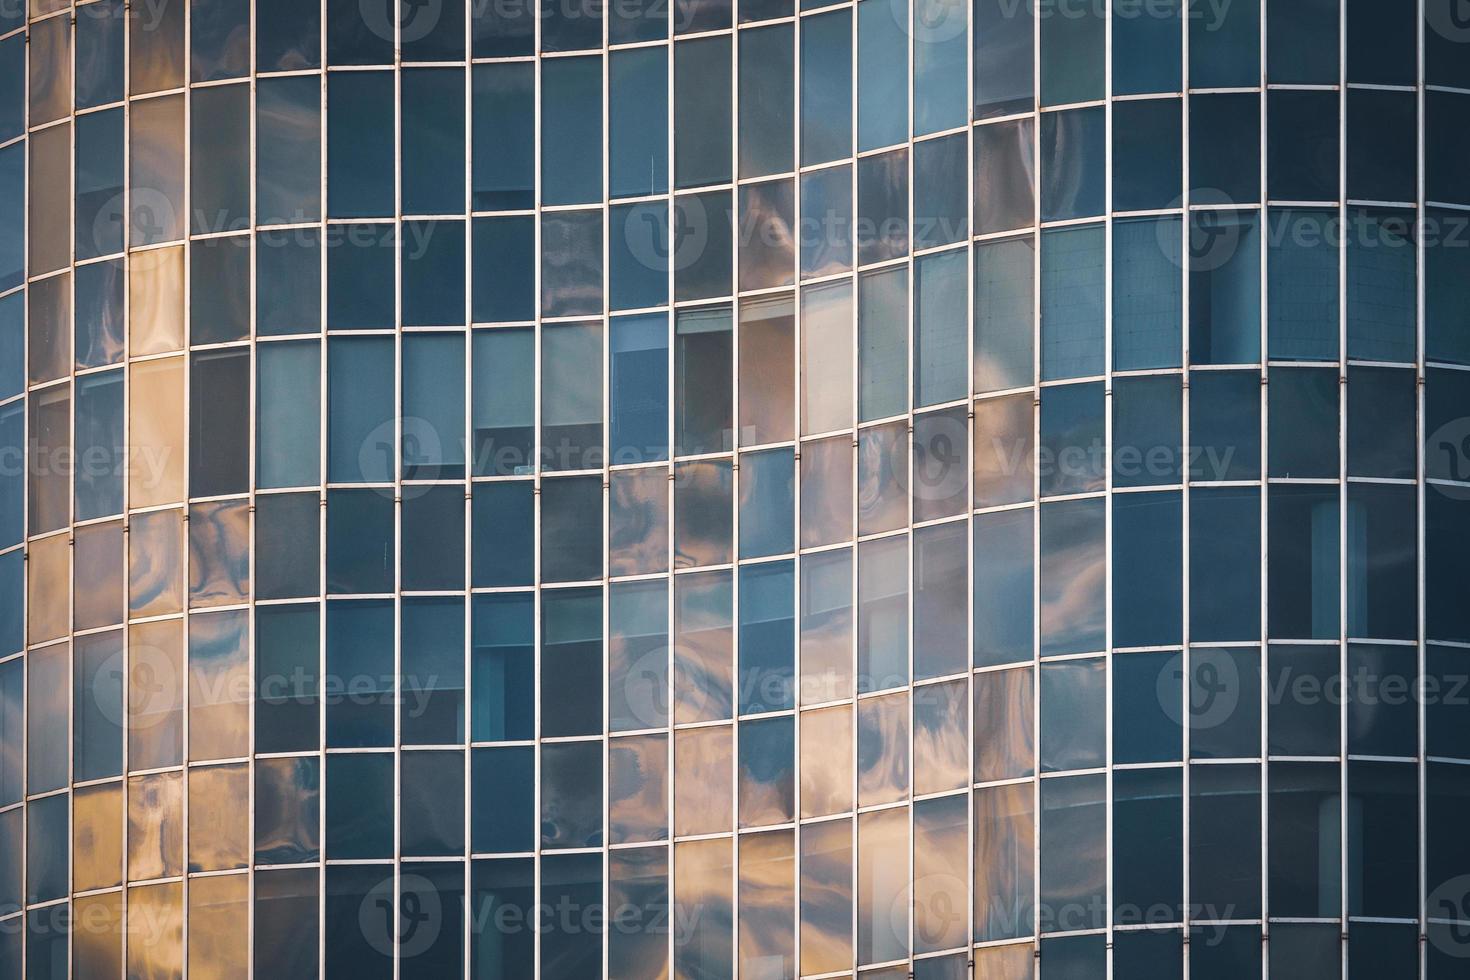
(638, 901)
(704, 647)
(48, 676)
(219, 553)
(156, 174)
(1005, 706)
(219, 940)
(703, 792)
(941, 889)
(49, 582)
(156, 563)
(99, 593)
(97, 837)
(219, 818)
(1005, 840)
(883, 885)
(49, 329)
(941, 737)
(50, 194)
(826, 491)
(826, 626)
(156, 301)
(156, 432)
(1015, 962)
(826, 896)
(96, 935)
(155, 695)
(637, 789)
(156, 46)
(826, 357)
(826, 761)
(704, 908)
(220, 687)
(638, 521)
(155, 826)
(48, 459)
(768, 905)
(1004, 442)
(883, 749)
(287, 810)
(50, 62)
(767, 368)
(156, 932)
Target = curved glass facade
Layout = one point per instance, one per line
(923, 489)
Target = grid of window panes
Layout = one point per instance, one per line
(725, 488)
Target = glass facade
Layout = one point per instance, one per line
(924, 489)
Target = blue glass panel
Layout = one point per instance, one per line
(504, 549)
(361, 443)
(505, 269)
(1146, 48)
(433, 141)
(767, 637)
(504, 159)
(639, 382)
(360, 673)
(571, 130)
(940, 312)
(288, 419)
(1073, 169)
(360, 806)
(503, 667)
(100, 40)
(99, 175)
(360, 144)
(1148, 564)
(1073, 285)
(99, 445)
(1148, 293)
(638, 105)
(433, 273)
(882, 50)
(431, 680)
(826, 87)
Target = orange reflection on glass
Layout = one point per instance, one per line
(97, 837)
(156, 432)
(826, 761)
(768, 904)
(156, 563)
(219, 817)
(155, 826)
(941, 737)
(156, 301)
(703, 794)
(883, 885)
(883, 749)
(156, 932)
(99, 576)
(219, 553)
(704, 907)
(219, 942)
(155, 695)
(1005, 705)
(49, 593)
(637, 789)
(96, 935)
(767, 369)
(220, 688)
(826, 896)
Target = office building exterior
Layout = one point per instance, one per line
(705, 489)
